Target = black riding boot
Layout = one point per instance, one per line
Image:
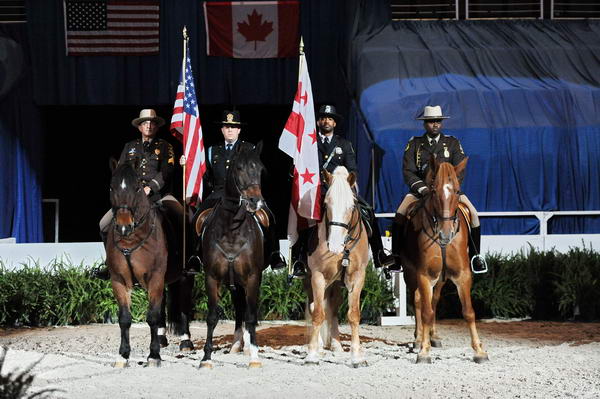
(478, 262)
(298, 254)
(101, 271)
(272, 248)
(397, 237)
(379, 256)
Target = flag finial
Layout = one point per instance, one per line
(301, 45)
(185, 34)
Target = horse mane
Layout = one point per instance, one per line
(339, 190)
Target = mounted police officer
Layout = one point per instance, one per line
(154, 162)
(415, 163)
(218, 159)
(336, 151)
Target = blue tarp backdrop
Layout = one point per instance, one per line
(524, 100)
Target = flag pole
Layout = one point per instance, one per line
(301, 53)
(185, 41)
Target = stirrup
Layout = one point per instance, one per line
(482, 262)
(387, 259)
(298, 270)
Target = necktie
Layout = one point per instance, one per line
(146, 146)
(229, 147)
(326, 140)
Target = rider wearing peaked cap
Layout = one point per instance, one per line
(336, 151)
(219, 157)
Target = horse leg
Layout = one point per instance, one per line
(426, 293)
(212, 290)
(354, 283)
(181, 310)
(155, 298)
(123, 297)
(435, 339)
(418, 322)
(162, 325)
(239, 303)
(252, 297)
(318, 315)
(463, 283)
(333, 304)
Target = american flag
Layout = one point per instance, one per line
(112, 27)
(186, 126)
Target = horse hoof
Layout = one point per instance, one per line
(207, 364)
(360, 363)
(423, 359)
(186, 345)
(162, 340)
(255, 365)
(120, 364)
(153, 362)
(246, 351)
(416, 347)
(436, 343)
(236, 348)
(481, 358)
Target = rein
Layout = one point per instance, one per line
(435, 236)
(349, 235)
(128, 251)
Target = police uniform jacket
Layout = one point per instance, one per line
(417, 154)
(154, 164)
(338, 152)
(219, 159)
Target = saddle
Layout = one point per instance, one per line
(261, 216)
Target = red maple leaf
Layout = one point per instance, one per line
(255, 29)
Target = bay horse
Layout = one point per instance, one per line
(436, 248)
(340, 257)
(233, 246)
(137, 253)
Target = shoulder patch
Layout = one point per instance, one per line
(408, 144)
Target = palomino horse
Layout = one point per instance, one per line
(436, 248)
(136, 252)
(233, 246)
(341, 257)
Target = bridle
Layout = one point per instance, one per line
(351, 229)
(136, 223)
(435, 220)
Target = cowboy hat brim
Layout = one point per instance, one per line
(425, 118)
(221, 123)
(137, 121)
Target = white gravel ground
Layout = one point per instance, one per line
(77, 360)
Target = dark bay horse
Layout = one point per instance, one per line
(233, 246)
(137, 252)
(435, 248)
(340, 258)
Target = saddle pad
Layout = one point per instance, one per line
(466, 213)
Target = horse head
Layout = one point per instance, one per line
(340, 204)
(444, 183)
(127, 198)
(244, 176)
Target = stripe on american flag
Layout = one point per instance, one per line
(112, 27)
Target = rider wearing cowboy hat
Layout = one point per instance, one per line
(417, 153)
(154, 162)
(218, 159)
(336, 151)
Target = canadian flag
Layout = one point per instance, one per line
(252, 29)
(299, 141)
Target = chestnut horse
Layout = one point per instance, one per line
(233, 246)
(340, 257)
(137, 252)
(435, 248)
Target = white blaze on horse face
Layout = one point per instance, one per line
(123, 185)
(447, 190)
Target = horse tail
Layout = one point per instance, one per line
(179, 305)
